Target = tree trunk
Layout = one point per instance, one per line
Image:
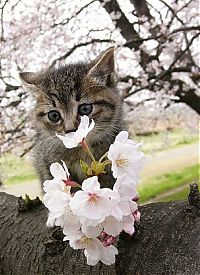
(167, 241)
(141, 8)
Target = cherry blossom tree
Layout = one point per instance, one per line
(156, 50)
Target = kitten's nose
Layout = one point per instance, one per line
(71, 125)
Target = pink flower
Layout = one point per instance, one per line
(94, 250)
(126, 157)
(61, 179)
(110, 226)
(92, 202)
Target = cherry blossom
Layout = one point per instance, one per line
(108, 255)
(58, 172)
(93, 217)
(56, 203)
(73, 139)
(94, 250)
(61, 179)
(93, 202)
(60, 175)
(110, 226)
(128, 224)
(126, 157)
(57, 199)
(126, 189)
(60, 212)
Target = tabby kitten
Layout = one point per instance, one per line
(65, 94)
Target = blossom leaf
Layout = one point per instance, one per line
(84, 166)
(98, 168)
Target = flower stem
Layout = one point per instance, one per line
(106, 162)
(104, 156)
(71, 183)
(87, 149)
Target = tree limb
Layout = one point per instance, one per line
(78, 46)
(167, 241)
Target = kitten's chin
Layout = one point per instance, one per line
(101, 139)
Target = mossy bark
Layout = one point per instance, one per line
(167, 242)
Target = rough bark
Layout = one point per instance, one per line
(167, 241)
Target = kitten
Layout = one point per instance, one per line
(65, 94)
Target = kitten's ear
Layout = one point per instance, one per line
(103, 68)
(31, 80)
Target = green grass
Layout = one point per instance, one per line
(165, 140)
(159, 185)
(16, 170)
(181, 195)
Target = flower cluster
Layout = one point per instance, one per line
(93, 217)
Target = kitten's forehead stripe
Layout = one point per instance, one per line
(105, 103)
(65, 82)
(41, 114)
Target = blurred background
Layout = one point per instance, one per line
(157, 63)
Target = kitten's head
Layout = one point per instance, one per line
(66, 93)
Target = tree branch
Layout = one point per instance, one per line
(168, 232)
(66, 21)
(78, 46)
(1, 20)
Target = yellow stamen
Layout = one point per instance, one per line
(93, 198)
(123, 162)
(84, 241)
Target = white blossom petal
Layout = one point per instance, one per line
(91, 184)
(66, 169)
(51, 220)
(122, 137)
(90, 222)
(126, 187)
(93, 248)
(92, 231)
(133, 206)
(91, 126)
(57, 171)
(73, 139)
(53, 185)
(93, 202)
(126, 157)
(128, 224)
(117, 212)
(112, 226)
(69, 140)
(54, 200)
(108, 255)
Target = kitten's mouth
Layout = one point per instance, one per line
(70, 131)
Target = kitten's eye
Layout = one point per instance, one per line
(85, 109)
(54, 116)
